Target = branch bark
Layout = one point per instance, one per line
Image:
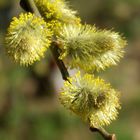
(104, 133)
(55, 51)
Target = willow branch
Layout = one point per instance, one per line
(29, 6)
(60, 64)
(104, 133)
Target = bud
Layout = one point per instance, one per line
(27, 39)
(91, 99)
(57, 10)
(90, 49)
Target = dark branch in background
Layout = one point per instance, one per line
(29, 6)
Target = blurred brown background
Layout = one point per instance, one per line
(29, 106)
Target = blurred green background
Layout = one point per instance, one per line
(29, 105)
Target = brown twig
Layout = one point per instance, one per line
(60, 63)
(104, 133)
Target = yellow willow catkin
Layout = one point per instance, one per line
(57, 12)
(27, 39)
(91, 99)
(90, 49)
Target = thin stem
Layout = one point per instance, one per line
(60, 64)
(104, 133)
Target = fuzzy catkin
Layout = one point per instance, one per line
(56, 9)
(91, 99)
(57, 12)
(90, 49)
(27, 39)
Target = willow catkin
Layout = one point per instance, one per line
(27, 39)
(90, 49)
(91, 99)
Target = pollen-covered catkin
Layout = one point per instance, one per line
(27, 39)
(90, 98)
(57, 11)
(90, 49)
